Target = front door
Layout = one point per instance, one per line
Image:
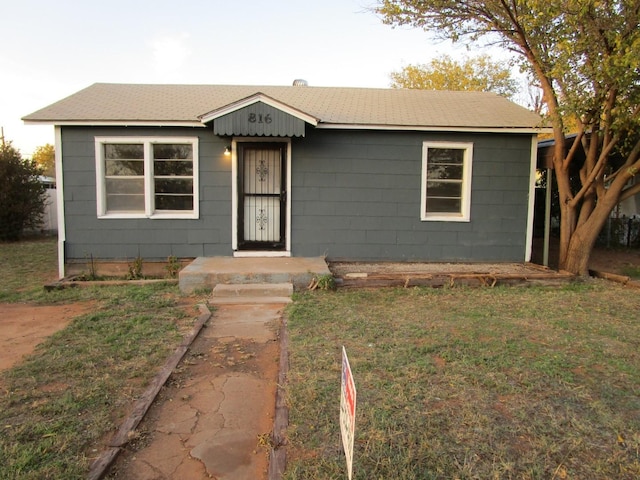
(262, 196)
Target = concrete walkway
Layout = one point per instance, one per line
(215, 415)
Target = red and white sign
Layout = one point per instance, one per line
(347, 411)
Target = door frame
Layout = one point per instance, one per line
(235, 201)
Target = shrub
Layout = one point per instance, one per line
(22, 195)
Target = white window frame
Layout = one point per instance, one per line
(465, 209)
(149, 211)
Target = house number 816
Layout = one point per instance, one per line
(260, 118)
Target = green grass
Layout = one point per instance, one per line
(60, 405)
(26, 267)
(631, 271)
(526, 383)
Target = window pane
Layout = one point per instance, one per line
(443, 172)
(454, 156)
(174, 202)
(125, 203)
(121, 151)
(444, 205)
(172, 152)
(124, 167)
(173, 167)
(444, 189)
(170, 185)
(125, 186)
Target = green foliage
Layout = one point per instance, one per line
(173, 266)
(135, 269)
(22, 195)
(326, 282)
(44, 156)
(479, 73)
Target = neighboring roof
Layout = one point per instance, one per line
(131, 104)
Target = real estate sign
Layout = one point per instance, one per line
(347, 411)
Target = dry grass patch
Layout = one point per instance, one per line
(527, 383)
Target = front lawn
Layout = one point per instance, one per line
(522, 383)
(59, 406)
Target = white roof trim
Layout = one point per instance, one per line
(256, 98)
(329, 126)
(418, 128)
(116, 123)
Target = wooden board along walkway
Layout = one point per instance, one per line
(391, 274)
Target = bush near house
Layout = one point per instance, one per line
(22, 195)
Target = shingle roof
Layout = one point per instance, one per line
(360, 107)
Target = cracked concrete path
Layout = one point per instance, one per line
(214, 417)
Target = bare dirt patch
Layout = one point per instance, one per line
(614, 260)
(24, 326)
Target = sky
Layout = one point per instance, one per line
(52, 49)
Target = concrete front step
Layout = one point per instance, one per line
(225, 294)
(207, 272)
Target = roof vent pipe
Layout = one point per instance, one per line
(299, 82)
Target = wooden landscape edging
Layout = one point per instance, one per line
(614, 277)
(278, 454)
(71, 283)
(450, 279)
(100, 466)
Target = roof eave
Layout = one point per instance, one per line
(435, 128)
(116, 123)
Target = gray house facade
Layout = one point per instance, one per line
(154, 171)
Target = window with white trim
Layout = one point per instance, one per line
(446, 181)
(150, 177)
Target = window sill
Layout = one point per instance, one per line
(160, 216)
(445, 218)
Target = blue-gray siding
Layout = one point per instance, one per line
(259, 119)
(355, 195)
(106, 238)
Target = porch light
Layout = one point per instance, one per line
(227, 151)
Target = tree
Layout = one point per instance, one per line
(585, 56)
(443, 73)
(22, 195)
(45, 156)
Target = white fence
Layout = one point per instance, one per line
(50, 217)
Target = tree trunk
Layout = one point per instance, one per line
(583, 240)
(579, 252)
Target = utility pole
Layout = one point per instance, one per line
(2, 136)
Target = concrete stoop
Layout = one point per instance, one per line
(251, 293)
(208, 272)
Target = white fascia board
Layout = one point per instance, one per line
(408, 128)
(62, 229)
(532, 198)
(115, 123)
(259, 97)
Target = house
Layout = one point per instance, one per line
(347, 173)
